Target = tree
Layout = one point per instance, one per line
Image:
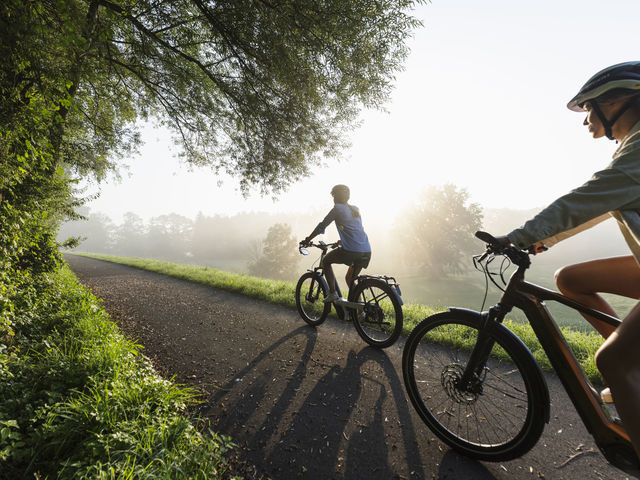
(215, 239)
(260, 90)
(277, 256)
(130, 237)
(437, 232)
(98, 233)
(169, 237)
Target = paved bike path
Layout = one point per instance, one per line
(309, 403)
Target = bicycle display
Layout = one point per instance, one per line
(374, 303)
(478, 387)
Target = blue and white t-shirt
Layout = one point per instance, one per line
(352, 234)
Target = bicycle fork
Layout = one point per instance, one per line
(314, 291)
(474, 372)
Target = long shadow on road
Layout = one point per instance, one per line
(344, 421)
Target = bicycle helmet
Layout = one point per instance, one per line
(341, 193)
(614, 82)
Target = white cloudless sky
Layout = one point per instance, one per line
(480, 104)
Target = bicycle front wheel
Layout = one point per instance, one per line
(500, 413)
(379, 320)
(310, 294)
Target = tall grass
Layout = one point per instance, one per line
(583, 344)
(77, 400)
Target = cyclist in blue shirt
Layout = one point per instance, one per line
(354, 249)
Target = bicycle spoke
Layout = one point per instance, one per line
(490, 411)
(309, 299)
(379, 320)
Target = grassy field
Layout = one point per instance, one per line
(468, 291)
(456, 291)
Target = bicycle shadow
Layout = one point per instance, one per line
(379, 444)
(249, 400)
(296, 417)
(327, 431)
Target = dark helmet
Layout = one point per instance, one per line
(341, 193)
(615, 82)
(623, 78)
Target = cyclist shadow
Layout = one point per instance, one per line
(354, 423)
(351, 440)
(258, 380)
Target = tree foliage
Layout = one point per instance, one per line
(437, 232)
(262, 90)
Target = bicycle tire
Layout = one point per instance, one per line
(504, 416)
(311, 291)
(379, 322)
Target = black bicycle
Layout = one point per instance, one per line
(479, 388)
(374, 303)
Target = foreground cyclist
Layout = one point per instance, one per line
(611, 99)
(354, 251)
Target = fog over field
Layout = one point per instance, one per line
(230, 242)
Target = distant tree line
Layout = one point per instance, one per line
(434, 236)
(256, 243)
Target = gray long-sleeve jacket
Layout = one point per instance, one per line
(614, 191)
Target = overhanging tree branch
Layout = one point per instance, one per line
(118, 9)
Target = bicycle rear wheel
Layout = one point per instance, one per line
(379, 320)
(501, 413)
(310, 294)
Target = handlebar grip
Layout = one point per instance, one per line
(487, 238)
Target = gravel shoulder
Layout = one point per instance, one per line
(309, 403)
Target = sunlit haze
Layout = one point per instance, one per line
(481, 104)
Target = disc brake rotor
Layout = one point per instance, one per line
(450, 379)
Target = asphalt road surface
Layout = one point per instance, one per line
(310, 403)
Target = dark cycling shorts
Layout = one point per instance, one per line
(340, 255)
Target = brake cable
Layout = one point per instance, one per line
(482, 263)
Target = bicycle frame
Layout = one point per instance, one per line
(609, 435)
(349, 304)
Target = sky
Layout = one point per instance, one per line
(481, 104)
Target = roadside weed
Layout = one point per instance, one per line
(77, 400)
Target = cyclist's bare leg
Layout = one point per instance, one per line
(619, 361)
(352, 273)
(329, 276)
(584, 281)
(327, 268)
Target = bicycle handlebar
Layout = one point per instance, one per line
(517, 256)
(321, 245)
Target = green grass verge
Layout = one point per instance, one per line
(583, 344)
(78, 400)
